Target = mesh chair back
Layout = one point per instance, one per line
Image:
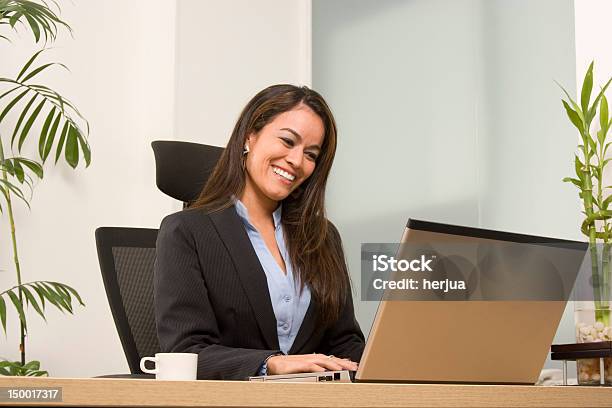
(127, 257)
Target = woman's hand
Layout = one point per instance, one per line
(308, 363)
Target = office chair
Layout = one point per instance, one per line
(127, 255)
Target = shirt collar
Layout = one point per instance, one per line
(243, 213)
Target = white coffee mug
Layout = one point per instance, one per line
(172, 366)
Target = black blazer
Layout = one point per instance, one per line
(211, 298)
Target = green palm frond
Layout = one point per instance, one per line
(39, 18)
(15, 167)
(38, 294)
(18, 168)
(58, 118)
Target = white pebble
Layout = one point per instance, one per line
(599, 326)
(588, 339)
(593, 332)
(586, 330)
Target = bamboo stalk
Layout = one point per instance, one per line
(605, 256)
(9, 209)
(587, 187)
(605, 266)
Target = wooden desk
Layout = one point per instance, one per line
(104, 392)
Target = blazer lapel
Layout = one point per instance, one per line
(253, 278)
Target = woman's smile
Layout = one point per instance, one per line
(283, 174)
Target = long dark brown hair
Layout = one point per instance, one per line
(313, 243)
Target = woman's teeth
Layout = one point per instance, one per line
(283, 173)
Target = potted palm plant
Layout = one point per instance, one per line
(593, 316)
(30, 110)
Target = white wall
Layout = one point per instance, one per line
(228, 51)
(122, 79)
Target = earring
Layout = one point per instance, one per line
(246, 149)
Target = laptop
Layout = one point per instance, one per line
(482, 341)
(500, 339)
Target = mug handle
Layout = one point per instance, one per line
(145, 369)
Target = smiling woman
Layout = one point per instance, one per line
(252, 277)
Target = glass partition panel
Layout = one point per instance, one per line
(447, 111)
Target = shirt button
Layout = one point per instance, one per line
(285, 326)
(287, 298)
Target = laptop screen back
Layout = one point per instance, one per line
(464, 341)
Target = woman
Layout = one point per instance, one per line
(252, 276)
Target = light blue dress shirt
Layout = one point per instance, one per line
(288, 303)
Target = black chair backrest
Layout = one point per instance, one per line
(127, 257)
(182, 168)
